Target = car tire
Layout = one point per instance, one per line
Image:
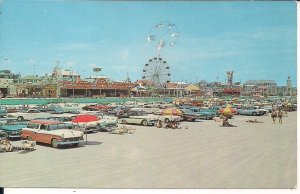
(167, 120)
(124, 122)
(20, 118)
(145, 123)
(29, 138)
(254, 114)
(54, 143)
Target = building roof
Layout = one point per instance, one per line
(192, 87)
(251, 82)
(32, 77)
(68, 72)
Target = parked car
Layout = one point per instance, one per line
(147, 110)
(41, 108)
(55, 109)
(3, 135)
(265, 111)
(118, 111)
(106, 123)
(189, 115)
(13, 128)
(71, 108)
(203, 113)
(3, 112)
(96, 107)
(51, 132)
(139, 117)
(250, 112)
(29, 114)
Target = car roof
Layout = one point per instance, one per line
(45, 122)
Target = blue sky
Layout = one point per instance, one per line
(257, 40)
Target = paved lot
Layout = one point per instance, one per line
(251, 155)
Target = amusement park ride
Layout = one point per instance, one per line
(156, 70)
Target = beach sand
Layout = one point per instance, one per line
(251, 155)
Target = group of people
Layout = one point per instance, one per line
(170, 124)
(277, 114)
(6, 146)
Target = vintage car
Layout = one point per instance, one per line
(41, 108)
(250, 112)
(3, 112)
(71, 108)
(12, 128)
(106, 123)
(96, 107)
(118, 110)
(265, 111)
(55, 109)
(29, 114)
(140, 118)
(189, 115)
(67, 119)
(3, 135)
(147, 110)
(203, 113)
(51, 132)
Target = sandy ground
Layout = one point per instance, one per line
(251, 155)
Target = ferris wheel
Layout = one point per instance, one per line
(163, 34)
(157, 72)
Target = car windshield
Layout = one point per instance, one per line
(56, 126)
(187, 111)
(12, 121)
(141, 113)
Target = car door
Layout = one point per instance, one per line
(43, 134)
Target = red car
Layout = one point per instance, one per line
(96, 107)
(51, 132)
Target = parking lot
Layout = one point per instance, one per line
(200, 155)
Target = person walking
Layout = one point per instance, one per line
(280, 113)
(274, 115)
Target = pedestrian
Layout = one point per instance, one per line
(225, 121)
(280, 113)
(274, 115)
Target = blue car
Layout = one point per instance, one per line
(250, 112)
(3, 112)
(204, 113)
(13, 128)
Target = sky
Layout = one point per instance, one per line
(256, 40)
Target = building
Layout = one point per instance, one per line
(260, 88)
(288, 89)
(7, 74)
(7, 79)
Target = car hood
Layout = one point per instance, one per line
(67, 133)
(12, 127)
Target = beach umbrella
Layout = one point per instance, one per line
(171, 111)
(227, 110)
(85, 118)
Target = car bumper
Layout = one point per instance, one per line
(67, 142)
(14, 136)
(152, 122)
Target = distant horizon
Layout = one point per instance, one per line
(256, 40)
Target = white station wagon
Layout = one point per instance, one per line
(51, 132)
(30, 114)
